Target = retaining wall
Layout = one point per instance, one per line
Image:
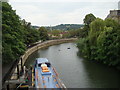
(37, 47)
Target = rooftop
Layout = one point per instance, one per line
(41, 60)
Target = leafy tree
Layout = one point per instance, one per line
(12, 34)
(31, 35)
(16, 34)
(108, 46)
(89, 18)
(43, 33)
(81, 33)
(111, 23)
(87, 21)
(102, 43)
(95, 28)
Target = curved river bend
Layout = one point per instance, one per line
(74, 71)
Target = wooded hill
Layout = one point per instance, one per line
(65, 27)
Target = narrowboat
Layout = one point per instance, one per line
(45, 75)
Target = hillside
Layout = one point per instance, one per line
(65, 27)
(62, 27)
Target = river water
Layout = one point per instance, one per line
(74, 71)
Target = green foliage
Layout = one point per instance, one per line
(95, 28)
(89, 18)
(16, 34)
(31, 35)
(56, 32)
(12, 34)
(65, 27)
(102, 43)
(87, 21)
(108, 46)
(43, 33)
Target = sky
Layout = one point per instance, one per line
(55, 12)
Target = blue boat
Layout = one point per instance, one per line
(45, 75)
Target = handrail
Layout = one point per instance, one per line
(10, 72)
(59, 81)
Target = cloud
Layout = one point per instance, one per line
(52, 13)
(64, 0)
(4, 0)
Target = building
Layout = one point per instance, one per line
(114, 14)
(58, 35)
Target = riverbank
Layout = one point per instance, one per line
(79, 53)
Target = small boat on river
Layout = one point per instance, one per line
(45, 75)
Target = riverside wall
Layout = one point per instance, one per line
(35, 48)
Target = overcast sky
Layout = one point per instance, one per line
(54, 12)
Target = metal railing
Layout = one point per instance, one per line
(9, 73)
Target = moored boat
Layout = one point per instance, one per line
(45, 75)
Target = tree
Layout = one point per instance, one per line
(95, 28)
(16, 34)
(31, 35)
(89, 18)
(43, 33)
(102, 43)
(13, 42)
(87, 21)
(108, 46)
(81, 33)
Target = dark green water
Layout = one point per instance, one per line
(76, 72)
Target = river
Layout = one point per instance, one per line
(74, 71)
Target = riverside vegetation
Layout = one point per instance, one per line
(17, 34)
(101, 41)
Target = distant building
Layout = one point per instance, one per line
(59, 35)
(114, 14)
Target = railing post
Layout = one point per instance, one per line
(18, 73)
(8, 88)
(21, 65)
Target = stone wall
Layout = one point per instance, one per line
(37, 47)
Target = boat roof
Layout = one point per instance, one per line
(41, 60)
(46, 79)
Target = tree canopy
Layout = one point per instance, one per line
(43, 33)
(12, 34)
(17, 34)
(87, 21)
(102, 43)
(89, 18)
